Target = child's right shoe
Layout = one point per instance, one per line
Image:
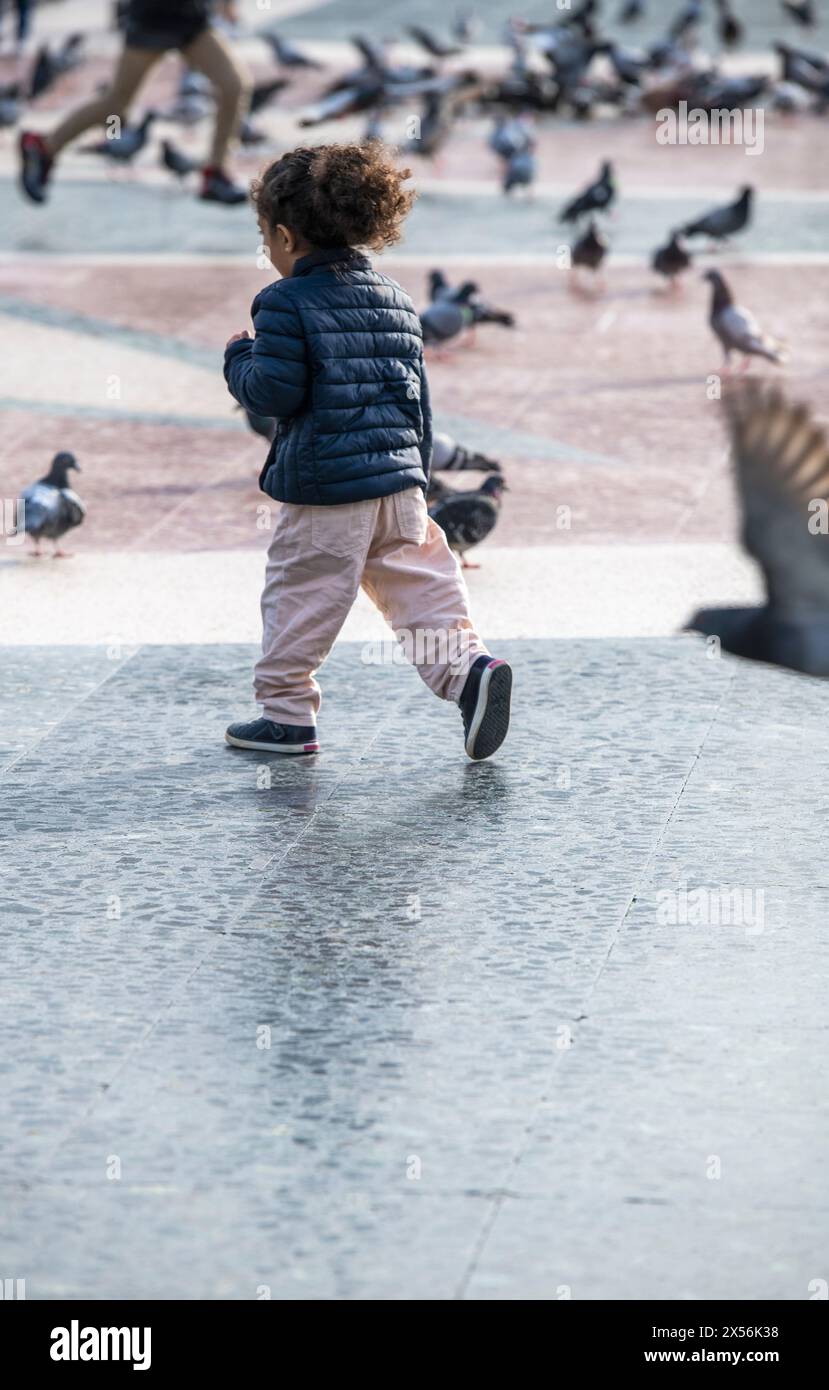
(484, 706)
(269, 737)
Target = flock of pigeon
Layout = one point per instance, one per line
(567, 66)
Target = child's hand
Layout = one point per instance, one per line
(237, 338)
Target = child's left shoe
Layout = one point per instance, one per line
(268, 737)
(485, 705)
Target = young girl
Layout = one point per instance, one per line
(337, 358)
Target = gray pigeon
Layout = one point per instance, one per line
(724, 221)
(448, 456)
(50, 507)
(737, 328)
(123, 148)
(467, 518)
(443, 320)
(781, 458)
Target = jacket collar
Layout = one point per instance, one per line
(328, 256)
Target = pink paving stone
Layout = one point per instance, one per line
(634, 393)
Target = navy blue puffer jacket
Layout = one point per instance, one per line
(338, 360)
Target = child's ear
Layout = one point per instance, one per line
(287, 238)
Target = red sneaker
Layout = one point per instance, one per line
(217, 187)
(35, 165)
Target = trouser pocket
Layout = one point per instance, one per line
(344, 529)
(410, 513)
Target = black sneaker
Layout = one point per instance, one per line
(484, 706)
(269, 737)
(35, 166)
(218, 188)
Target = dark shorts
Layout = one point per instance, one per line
(161, 40)
(163, 24)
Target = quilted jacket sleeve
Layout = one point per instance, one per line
(426, 412)
(268, 374)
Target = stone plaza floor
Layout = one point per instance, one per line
(386, 1024)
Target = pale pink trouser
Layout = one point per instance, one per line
(319, 557)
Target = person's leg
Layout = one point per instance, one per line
(415, 580)
(133, 66)
(315, 561)
(210, 55)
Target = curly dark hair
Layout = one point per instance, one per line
(336, 195)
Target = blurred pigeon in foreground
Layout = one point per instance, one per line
(781, 458)
(467, 518)
(670, 260)
(737, 329)
(597, 198)
(50, 507)
(448, 456)
(724, 221)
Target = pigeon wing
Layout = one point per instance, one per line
(41, 508)
(739, 329)
(781, 458)
(72, 510)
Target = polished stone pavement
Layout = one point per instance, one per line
(400, 1026)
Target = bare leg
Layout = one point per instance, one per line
(133, 66)
(211, 55)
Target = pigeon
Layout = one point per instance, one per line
(263, 92)
(50, 507)
(44, 73)
(805, 67)
(443, 320)
(176, 161)
(519, 170)
(686, 22)
(803, 11)
(448, 456)
(510, 135)
(781, 462)
(729, 27)
(671, 260)
(250, 134)
(628, 65)
(70, 53)
(124, 147)
(9, 104)
(596, 198)
(467, 518)
(466, 294)
(725, 221)
(589, 251)
(433, 46)
(287, 54)
(737, 329)
(714, 92)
